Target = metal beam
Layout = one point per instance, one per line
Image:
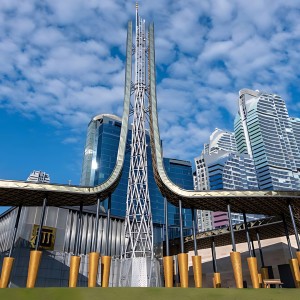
(194, 231)
(96, 226)
(181, 227)
(247, 234)
(38, 240)
(167, 227)
(214, 256)
(260, 250)
(231, 228)
(287, 236)
(15, 231)
(294, 226)
(108, 226)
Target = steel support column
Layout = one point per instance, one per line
(253, 248)
(167, 260)
(247, 235)
(35, 255)
(75, 259)
(8, 261)
(181, 227)
(96, 226)
(194, 231)
(287, 236)
(15, 231)
(78, 231)
(294, 226)
(108, 226)
(235, 257)
(213, 254)
(167, 228)
(231, 228)
(38, 240)
(182, 257)
(260, 250)
(94, 256)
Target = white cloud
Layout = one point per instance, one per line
(64, 60)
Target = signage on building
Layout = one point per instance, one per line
(47, 238)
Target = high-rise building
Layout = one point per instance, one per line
(296, 130)
(219, 167)
(38, 176)
(99, 160)
(221, 140)
(264, 130)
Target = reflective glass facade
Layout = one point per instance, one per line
(100, 158)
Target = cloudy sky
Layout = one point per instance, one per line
(62, 62)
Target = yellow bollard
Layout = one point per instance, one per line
(183, 269)
(33, 268)
(197, 268)
(264, 273)
(74, 270)
(168, 271)
(105, 270)
(260, 281)
(298, 256)
(295, 271)
(93, 268)
(237, 268)
(6, 271)
(217, 280)
(252, 264)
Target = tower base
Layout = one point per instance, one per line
(135, 272)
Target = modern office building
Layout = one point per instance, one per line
(100, 155)
(220, 167)
(220, 140)
(296, 130)
(264, 130)
(38, 176)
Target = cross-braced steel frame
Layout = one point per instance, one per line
(138, 221)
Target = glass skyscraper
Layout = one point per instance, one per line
(220, 167)
(264, 130)
(100, 155)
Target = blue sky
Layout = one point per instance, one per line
(62, 62)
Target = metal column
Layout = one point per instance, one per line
(294, 226)
(213, 253)
(38, 240)
(15, 231)
(260, 250)
(287, 236)
(167, 228)
(194, 231)
(78, 231)
(247, 234)
(253, 248)
(181, 227)
(94, 249)
(108, 226)
(231, 228)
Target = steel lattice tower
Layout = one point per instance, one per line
(138, 221)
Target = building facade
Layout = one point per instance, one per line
(264, 130)
(38, 176)
(220, 167)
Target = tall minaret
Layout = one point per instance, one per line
(138, 222)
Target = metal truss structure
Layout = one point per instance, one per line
(138, 220)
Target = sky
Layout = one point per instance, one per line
(62, 62)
